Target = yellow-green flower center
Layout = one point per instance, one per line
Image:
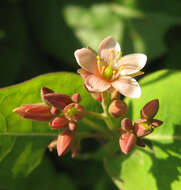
(108, 72)
(72, 111)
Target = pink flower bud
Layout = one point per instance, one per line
(72, 126)
(59, 122)
(150, 109)
(126, 124)
(74, 112)
(141, 128)
(57, 100)
(97, 96)
(76, 98)
(117, 108)
(44, 91)
(127, 142)
(36, 112)
(156, 123)
(64, 142)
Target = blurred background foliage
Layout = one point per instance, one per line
(38, 36)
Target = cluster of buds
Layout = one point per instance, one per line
(61, 111)
(131, 133)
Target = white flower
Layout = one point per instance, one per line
(108, 69)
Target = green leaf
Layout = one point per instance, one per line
(12, 42)
(61, 27)
(23, 142)
(137, 31)
(43, 177)
(157, 168)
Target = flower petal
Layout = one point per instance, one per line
(127, 86)
(86, 59)
(96, 84)
(105, 46)
(132, 63)
(83, 73)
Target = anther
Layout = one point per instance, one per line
(97, 57)
(111, 51)
(98, 61)
(103, 67)
(117, 52)
(121, 68)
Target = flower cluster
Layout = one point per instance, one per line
(104, 72)
(131, 133)
(60, 110)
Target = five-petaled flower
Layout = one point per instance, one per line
(109, 70)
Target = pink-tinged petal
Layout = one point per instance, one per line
(83, 73)
(86, 59)
(127, 86)
(105, 46)
(132, 63)
(96, 84)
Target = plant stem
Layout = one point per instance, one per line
(93, 125)
(106, 114)
(97, 115)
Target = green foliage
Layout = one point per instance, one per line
(72, 24)
(158, 166)
(43, 177)
(26, 141)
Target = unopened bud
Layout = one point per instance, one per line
(140, 143)
(57, 100)
(97, 96)
(45, 90)
(72, 126)
(141, 128)
(117, 108)
(127, 142)
(64, 142)
(36, 112)
(126, 124)
(150, 109)
(156, 123)
(76, 98)
(59, 122)
(74, 112)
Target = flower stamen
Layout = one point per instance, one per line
(122, 67)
